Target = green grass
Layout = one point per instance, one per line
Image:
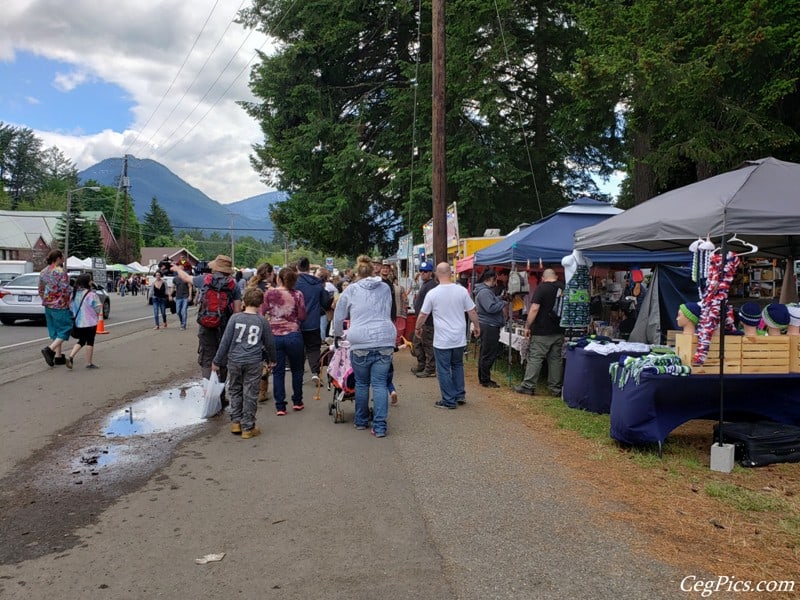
(748, 500)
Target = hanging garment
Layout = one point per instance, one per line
(575, 312)
(718, 285)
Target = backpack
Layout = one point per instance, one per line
(216, 302)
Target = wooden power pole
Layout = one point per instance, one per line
(439, 145)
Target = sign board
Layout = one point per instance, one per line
(405, 247)
(329, 263)
(99, 271)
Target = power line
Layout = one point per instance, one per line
(197, 76)
(174, 79)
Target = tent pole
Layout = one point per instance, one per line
(510, 331)
(723, 313)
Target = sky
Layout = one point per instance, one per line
(156, 79)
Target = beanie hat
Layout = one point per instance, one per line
(794, 313)
(776, 315)
(750, 314)
(691, 310)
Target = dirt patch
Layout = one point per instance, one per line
(668, 502)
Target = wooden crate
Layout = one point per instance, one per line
(766, 354)
(686, 344)
(794, 353)
(671, 333)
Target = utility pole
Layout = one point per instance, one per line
(439, 134)
(126, 250)
(233, 249)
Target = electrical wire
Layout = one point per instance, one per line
(174, 79)
(519, 112)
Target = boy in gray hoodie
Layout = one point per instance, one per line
(246, 343)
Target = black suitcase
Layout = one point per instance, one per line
(762, 443)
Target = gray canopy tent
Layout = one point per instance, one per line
(759, 202)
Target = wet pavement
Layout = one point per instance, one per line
(103, 457)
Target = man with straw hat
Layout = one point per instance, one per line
(217, 288)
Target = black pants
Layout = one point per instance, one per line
(490, 348)
(423, 350)
(312, 340)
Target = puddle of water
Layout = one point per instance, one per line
(170, 409)
(97, 457)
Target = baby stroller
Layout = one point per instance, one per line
(341, 379)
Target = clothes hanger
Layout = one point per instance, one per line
(753, 247)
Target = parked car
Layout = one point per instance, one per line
(19, 299)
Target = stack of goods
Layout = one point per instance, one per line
(628, 367)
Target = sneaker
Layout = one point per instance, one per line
(425, 374)
(315, 378)
(92, 366)
(461, 401)
(491, 384)
(393, 398)
(521, 389)
(156, 328)
(236, 427)
(416, 370)
(49, 355)
(441, 404)
(250, 433)
(60, 360)
(359, 427)
(281, 412)
(69, 362)
(298, 407)
(378, 434)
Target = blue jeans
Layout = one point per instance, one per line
(371, 367)
(450, 373)
(160, 307)
(182, 308)
(289, 346)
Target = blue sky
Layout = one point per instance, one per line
(50, 95)
(157, 79)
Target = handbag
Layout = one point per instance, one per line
(74, 331)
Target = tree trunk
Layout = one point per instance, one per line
(644, 181)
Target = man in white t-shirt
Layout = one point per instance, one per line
(447, 303)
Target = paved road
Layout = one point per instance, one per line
(462, 504)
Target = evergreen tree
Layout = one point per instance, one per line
(156, 225)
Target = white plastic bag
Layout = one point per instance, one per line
(212, 402)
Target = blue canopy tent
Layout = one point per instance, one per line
(551, 239)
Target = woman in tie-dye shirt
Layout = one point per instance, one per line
(55, 292)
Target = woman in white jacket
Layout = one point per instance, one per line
(367, 303)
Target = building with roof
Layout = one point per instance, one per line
(31, 234)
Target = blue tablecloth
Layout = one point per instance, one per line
(648, 412)
(587, 384)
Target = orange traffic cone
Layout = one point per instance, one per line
(101, 326)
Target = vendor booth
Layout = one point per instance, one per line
(750, 210)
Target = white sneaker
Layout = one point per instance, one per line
(315, 379)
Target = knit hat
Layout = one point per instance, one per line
(750, 314)
(794, 313)
(776, 315)
(691, 310)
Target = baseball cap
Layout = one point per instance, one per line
(425, 266)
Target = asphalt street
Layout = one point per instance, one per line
(464, 504)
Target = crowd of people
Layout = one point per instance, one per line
(254, 329)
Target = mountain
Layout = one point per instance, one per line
(257, 207)
(186, 206)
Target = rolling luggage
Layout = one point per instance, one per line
(762, 443)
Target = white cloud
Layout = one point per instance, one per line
(139, 45)
(66, 82)
(32, 100)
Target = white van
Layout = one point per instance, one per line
(9, 269)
